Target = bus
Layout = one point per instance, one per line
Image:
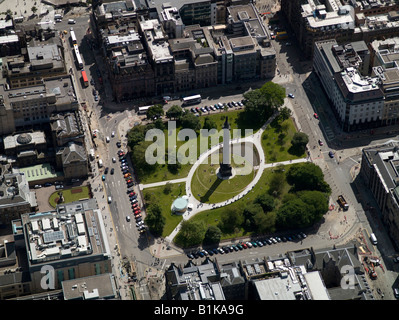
(143, 110)
(73, 38)
(79, 60)
(85, 79)
(192, 100)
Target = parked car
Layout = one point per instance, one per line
(112, 171)
(290, 95)
(128, 218)
(59, 186)
(331, 154)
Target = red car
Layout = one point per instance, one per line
(135, 206)
(131, 194)
(316, 115)
(129, 181)
(136, 212)
(244, 245)
(138, 216)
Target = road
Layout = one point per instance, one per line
(295, 76)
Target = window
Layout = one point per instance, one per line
(71, 273)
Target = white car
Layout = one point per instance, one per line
(112, 134)
(107, 139)
(113, 160)
(291, 96)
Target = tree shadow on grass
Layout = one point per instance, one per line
(211, 190)
(297, 151)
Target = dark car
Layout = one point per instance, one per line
(106, 170)
(331, 154)
(118, 144)
(112, 171)
(190, 256)
(130, 184)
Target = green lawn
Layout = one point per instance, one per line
(158, 195)
(276, 142)
(208, 188)
(69, 195)
(162, 173)
(212, 217)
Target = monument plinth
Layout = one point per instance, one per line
(225, 169)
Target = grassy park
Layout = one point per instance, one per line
(276, 142)
(162, 172)
(70, 195)
(165, 195)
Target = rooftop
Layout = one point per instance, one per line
(73, 230)
(14, 190)
(101, 286)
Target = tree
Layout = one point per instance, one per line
(285, 113)
(250, 211)
(190, 121)
(265, 222)
(276, 184)
(307, 176)
(262, 103)
(293, 214)
(139, 158)
(212, 236)
(266, 201)
(154, 219)
(317, 202)
(33, 9)
(155, 111)
(299, 142)
(191, 233)
(230, 219)
(137, 134)
(209, 124)
(175, 112)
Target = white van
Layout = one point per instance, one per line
(100, 163)
(373, 239)
(109, 199)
